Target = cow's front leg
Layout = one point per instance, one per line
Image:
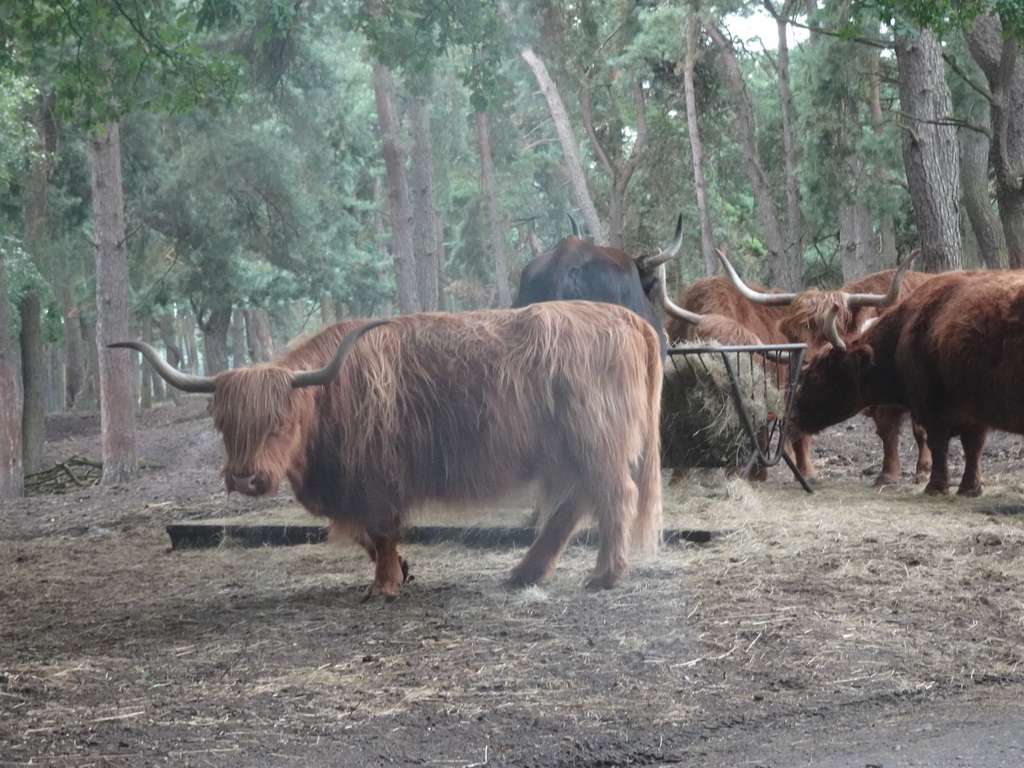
(888, 423)
(974, 443)
(390, 569)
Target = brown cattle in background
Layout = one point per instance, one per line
(952, 352)
(455, 408)
(854, 305)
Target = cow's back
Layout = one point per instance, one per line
(460, 407)
(960, 348)
(716, 295)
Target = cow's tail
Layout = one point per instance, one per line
(648, 521)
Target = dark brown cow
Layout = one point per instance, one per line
(576, 269)
(853, 305)
(455, 408)
(952, 352)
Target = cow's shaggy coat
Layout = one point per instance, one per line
(458, 408)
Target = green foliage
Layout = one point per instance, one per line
(21, 277)
(16, 133)
(109, 59)
(942, 16)
(412, 35)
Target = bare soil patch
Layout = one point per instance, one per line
(822, 629)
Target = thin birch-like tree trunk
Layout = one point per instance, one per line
(498, 245)
(788, 273)
(12, 478)
(398, 191)
(691, 28)
(567, 139)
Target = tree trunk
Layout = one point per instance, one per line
(167, 329)
(930, 149)
(691, 27)
(190, 359)
(117, 404)
(498, 245)
(856, 239)
(12, 479)
(380, 232)
(257, 331)
(398, 192)
(974, 180)
(619, 172)
(215, 339)
(146, 375)
(33, 417)
(567, 139)
(237, 338)
(89, 398)
(887, 256)
(429, 247)
(328, 312)
(72, 343)
(788, 273)
(999, 58)
(794, 213)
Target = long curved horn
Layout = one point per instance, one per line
(324, 375)
(671, 307)
(650, 263)
(831, 331)
(186, 382)
(769, 299)
(575, 226)
(854, 300)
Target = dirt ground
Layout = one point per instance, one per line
(851, 627)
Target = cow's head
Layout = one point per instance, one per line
(257, 410)
(833, 386)
(806, 320)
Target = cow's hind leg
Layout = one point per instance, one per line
(924, 454)
(938, 442)
(557, 526)
(615, 508)
(974, 443)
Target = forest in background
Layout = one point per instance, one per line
(218, 176)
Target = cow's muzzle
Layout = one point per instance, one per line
(251, 485)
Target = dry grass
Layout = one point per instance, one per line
(700, 423)
(116, 649)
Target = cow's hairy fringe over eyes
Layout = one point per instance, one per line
(264, 393)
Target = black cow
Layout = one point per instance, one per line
(576, 269)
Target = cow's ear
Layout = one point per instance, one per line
(574, 283)
(859, 360)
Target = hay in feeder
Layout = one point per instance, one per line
(700, 426)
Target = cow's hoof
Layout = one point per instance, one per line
(883, 480)
(388, 594)
(598, 581)
(521, 581)
(971, 493)
(935, 490)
